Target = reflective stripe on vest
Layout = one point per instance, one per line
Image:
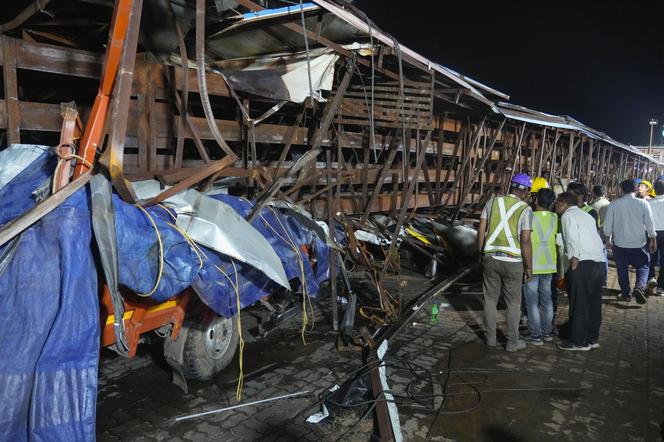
(545, 227)
(504, 226)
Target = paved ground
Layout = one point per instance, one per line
(614, 393)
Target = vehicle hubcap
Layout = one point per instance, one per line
(218, 337)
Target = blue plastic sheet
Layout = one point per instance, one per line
(49, 321)
(49, 311)
(138, 251)
(215, 282)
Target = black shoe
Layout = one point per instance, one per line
(624, 298)
(638, 295)
(569, 345)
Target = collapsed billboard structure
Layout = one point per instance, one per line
(227, 128)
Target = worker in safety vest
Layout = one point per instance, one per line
(537, 292)
(600, 202)
(504, 244)
(580, 191)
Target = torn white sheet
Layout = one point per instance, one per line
(317, 417)
(283, 76)
(364, 236)
(324, 413)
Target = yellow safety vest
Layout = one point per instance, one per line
(503, 234)
(587, 208)
(543, 238)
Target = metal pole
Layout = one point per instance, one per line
(653, 122)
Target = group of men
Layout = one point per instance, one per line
(531, 239)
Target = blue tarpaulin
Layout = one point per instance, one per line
(49, 319)
(213, 276)
(49, 313)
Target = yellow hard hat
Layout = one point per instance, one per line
(538, 183)
(646, 183)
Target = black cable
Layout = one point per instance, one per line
(352, 428)
(445, 387)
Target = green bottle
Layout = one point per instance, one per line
(434, 314)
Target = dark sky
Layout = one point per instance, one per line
(600, 63)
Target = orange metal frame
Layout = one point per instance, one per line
(95, 126)
(141, 315)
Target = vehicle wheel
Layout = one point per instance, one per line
(209, 348)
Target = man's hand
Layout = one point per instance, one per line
(609, 247)
(527, 274)
(574, 263)
(652, 248)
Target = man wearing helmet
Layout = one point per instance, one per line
(538, 183)
(504, 244)
(644, 189)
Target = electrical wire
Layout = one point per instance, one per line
(161, 255)
(306, 300)
(234, 284)
(354, 426)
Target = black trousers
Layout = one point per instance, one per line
(585, 301)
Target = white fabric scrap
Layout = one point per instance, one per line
(391, 405)
(324, 413)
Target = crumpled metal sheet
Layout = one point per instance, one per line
(15, 158)
(216, 225)
(283, 76)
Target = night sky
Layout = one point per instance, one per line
(600, 63)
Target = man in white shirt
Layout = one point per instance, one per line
(656, 282)
(628, 220)
(585, 252)
(600, 203)
(505, 245)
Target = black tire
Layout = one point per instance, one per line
(204, 353)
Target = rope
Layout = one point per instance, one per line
(161, 255)
(306, 300)
(235, 285)
(80, 158)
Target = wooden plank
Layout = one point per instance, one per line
(57, 60)
(12, 113)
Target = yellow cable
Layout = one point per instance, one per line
(305, 291)
(235, 285)
(190, 241)
(201, 254)
(161, 255)
(173, 217)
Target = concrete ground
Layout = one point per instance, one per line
(613, 393)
